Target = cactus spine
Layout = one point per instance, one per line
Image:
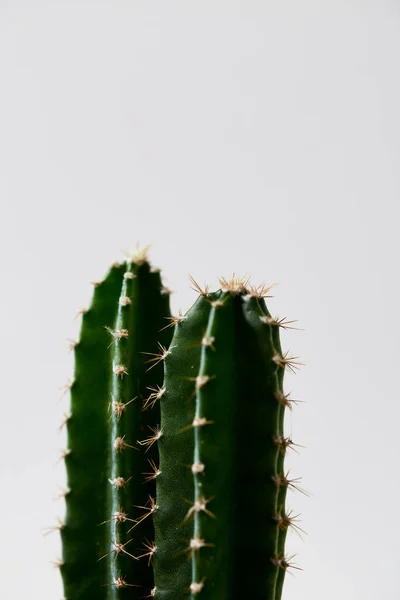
(188, 480)
(104, 530)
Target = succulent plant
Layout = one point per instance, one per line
(220, 523)
(115, 384)
(175, 461)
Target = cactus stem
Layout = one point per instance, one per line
(156, 394)
(197, 288)
(174, 320)
(157, 356)
(119, 407)
(284, 360)
(119, 444)
(196, 588)
(154, 473)
(151, 550)
(149, 441)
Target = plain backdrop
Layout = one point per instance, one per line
(257, 137)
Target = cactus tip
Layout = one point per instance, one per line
(236, 285)
(137, 255)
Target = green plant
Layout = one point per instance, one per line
(109, 396)
(207, 516)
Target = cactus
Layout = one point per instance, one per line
(222, 423)
(108, 420)
(212, 519)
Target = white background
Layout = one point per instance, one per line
(250, 136)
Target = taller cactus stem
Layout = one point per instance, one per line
(228, 425)
(110, 498)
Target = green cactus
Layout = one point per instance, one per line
(206, 517)
(222, 425)
(114, 384)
